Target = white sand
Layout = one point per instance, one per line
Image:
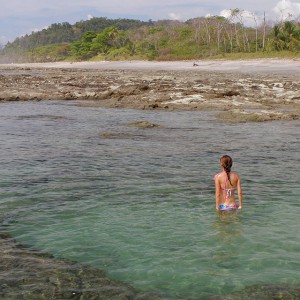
(270, 66)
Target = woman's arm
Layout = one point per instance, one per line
(240, 193)
(217, 185)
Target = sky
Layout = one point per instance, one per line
(20, 17)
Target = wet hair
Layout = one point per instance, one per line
(226, 163)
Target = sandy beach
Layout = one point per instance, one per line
(240, 91)
(265, 66)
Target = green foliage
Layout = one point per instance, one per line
(66, 33)
(185, 32)
(155, 30)
(50, 53)
(286, 37)
(99, 24)
(83, 49)
(102, 38)
(92, 43)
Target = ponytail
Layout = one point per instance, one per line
(226, 163)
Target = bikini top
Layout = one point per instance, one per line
(228, 192)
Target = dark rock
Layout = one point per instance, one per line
(143, 124)
(263, 292)
(114, 135)
(28, 274)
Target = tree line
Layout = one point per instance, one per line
(102, 38)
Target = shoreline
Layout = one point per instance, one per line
(244, 91)
(289, 67)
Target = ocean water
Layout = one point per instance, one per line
(141, 205)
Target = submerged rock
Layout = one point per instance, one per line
(115, 135)
(143, 124)
(50, 117)
(263, 292)
(242, 116)
(29, 274)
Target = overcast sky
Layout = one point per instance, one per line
(19, 17)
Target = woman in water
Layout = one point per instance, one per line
(226, 183)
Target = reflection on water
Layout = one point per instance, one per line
(142, 208)
(228, 231)
(228, 225)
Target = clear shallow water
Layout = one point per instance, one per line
(142, 207)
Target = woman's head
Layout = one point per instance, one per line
(226, 163)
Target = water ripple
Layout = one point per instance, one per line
(143, 208)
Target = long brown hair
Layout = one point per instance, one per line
(226, 163)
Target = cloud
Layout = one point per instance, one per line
(174, 16)
(286, 9)
(226, 13)
(246, 17)
(283, 10)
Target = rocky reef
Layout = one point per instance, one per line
(242, 97)
(30, 274)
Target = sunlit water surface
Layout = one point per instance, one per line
(141, 206)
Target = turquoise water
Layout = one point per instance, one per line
(142, 207)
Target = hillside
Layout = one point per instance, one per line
(119, 39)
(64, 34)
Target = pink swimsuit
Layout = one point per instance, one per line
(228, 194)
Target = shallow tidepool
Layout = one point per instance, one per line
(142, 207)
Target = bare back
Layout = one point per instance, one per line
(225, 188)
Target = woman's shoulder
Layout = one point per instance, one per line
(217, 175)
(234, 174)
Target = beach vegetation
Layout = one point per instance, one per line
(198, 38)
(50, 53)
